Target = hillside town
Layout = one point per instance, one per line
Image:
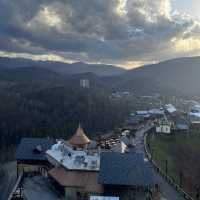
(80, 168)
(99, 100)
(111, 167)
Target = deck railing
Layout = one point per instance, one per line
(16, 186)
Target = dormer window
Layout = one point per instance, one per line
(37, 149)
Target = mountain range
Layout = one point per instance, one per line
(62, 68)
(177, 76)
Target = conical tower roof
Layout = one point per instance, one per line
(79, 139)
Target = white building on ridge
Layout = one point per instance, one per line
(163, 126)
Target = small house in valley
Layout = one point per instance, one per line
(163, 126)
(194, 115)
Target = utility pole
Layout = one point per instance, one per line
(181, 179)
(166, 167)
(152, 152)
(197, 193)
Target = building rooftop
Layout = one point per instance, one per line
(164, 122)
(156, 111)
(127, 169)
(79, 139)
(170, 108)
(80, 179)
(38, 187)
(33, 148)
(142, 112)
(103, 198)
(194, 114)
(73, 159)
(120, 147)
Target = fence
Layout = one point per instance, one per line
(166, 177)
(17, 185)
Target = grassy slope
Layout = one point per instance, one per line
(183, 155)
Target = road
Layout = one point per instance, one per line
(167, 191)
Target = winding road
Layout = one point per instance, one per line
(167, 191)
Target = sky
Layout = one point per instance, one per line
(191, 7)
(127, 33)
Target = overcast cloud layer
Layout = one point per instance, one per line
(123, 32)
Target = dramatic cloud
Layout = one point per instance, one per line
(123, 32)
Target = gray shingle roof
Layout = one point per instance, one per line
(25, 150)
(124, 169)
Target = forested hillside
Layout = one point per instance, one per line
(178, 77)
(28, 110)
(36, 101)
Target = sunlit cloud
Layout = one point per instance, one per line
(127, 33)
(135, 64)
(186, 45)
(41, 57)
(48, 17)
(121, 7)
(165, 8)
